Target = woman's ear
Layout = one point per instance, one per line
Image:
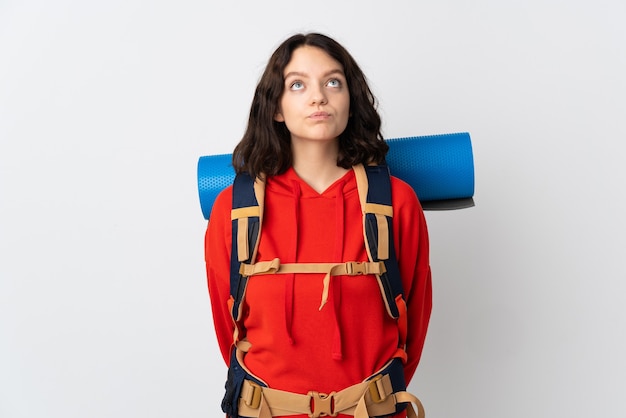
(278, 117)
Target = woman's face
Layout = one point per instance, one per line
(315, 104)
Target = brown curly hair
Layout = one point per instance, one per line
(265, 148)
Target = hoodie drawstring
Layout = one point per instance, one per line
(337, 350)
(290, 279)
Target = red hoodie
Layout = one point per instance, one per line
(296, 346)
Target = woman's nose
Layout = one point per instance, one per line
(318, 96)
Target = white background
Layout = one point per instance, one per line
(105, 107)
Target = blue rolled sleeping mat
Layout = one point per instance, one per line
(440, 168)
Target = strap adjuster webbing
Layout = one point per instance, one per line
(251, 394)
(350, 268)
(379, 388)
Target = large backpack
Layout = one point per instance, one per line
(374, 188)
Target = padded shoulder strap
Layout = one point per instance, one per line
(246, 217)
(374, 185)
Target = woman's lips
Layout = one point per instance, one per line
(319, 115)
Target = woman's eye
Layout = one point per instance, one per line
(296, 85)
(334, 83)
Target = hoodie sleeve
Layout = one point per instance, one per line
(412, 250)
(217, 249)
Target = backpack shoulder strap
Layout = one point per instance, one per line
(246, 217)
(374, 186)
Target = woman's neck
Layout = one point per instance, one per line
(316, 163)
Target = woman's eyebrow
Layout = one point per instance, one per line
(326, 74)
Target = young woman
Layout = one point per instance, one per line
(313, 118)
